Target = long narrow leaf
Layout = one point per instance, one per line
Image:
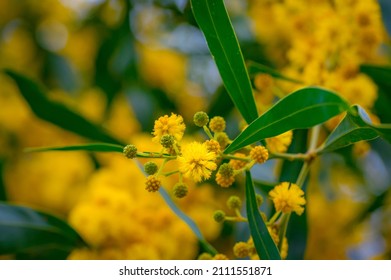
(56, 112)
(263, 242)
(213, 19)
(94, 147)
(356, 126)
(301, 109)
(29, 232)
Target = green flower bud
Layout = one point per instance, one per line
(167, 141)
(219, 216)
(234, 202)
(226, 170)
(150, 168)
(180, 190)
(201, 119)
(130, 151)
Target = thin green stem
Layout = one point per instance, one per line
(235, 157)
(207, 131)
(274, 218)
(154, 155)
(170, 173)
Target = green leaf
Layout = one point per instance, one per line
(255, 68)
(213, 19)
(304, 108)
(57, 113)
(35, 234)
(380, 74)
(263, 242)
(94, 147)
(356, 126)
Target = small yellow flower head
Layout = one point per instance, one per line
(201, 119)
(220, 257)
(259, 154)
(279, 143)
(130, 151)
(219, 216)
(217, 124)
(234, 202)
(241, 250)
(180, 190)
(226, 170)
(205, 257)
(152, 184)
(288, 197)
(213, 146)
(236, 163)
(274, 234)
(172, 125)
(222, 138)
(150, 168)
(167, 141)
(251, 247)
(197, 162)
(284, 249)
(259, 199)
(223, 181)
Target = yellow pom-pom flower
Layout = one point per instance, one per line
(197, 162)
(152, 184)
(279, 143)
(288, 197)
(259, 154)
(172, 125)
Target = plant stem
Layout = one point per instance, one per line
(314, 136)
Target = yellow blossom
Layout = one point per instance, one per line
(279, 143)
(172, 125)
(288, 197)
(197, 162)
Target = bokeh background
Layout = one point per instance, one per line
(124, 63)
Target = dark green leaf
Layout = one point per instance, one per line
(356, 126)
(57, 113)
(213, 19)
(27, 232)
(304, 108)
(3, 193)
(380, 74)
(94, 147)
(255, 68)
(264, 244)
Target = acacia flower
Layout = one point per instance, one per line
(197, 162)
(172, 125)
(279, 143)
(288, 197)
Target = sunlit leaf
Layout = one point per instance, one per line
(56, 112)
(301, 109)
(355, 127)
(263, 242)
(27, 232)
(255, 68)
(213, 19)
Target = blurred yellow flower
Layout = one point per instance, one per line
(288, 197)
(279, 143)
(197, 162)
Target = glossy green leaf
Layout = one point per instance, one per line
(355, 127)
(213, 19)
(31, 233)
(304, 108)
(56, 112)
(263, 242)
(94, 147)
(255, 68)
